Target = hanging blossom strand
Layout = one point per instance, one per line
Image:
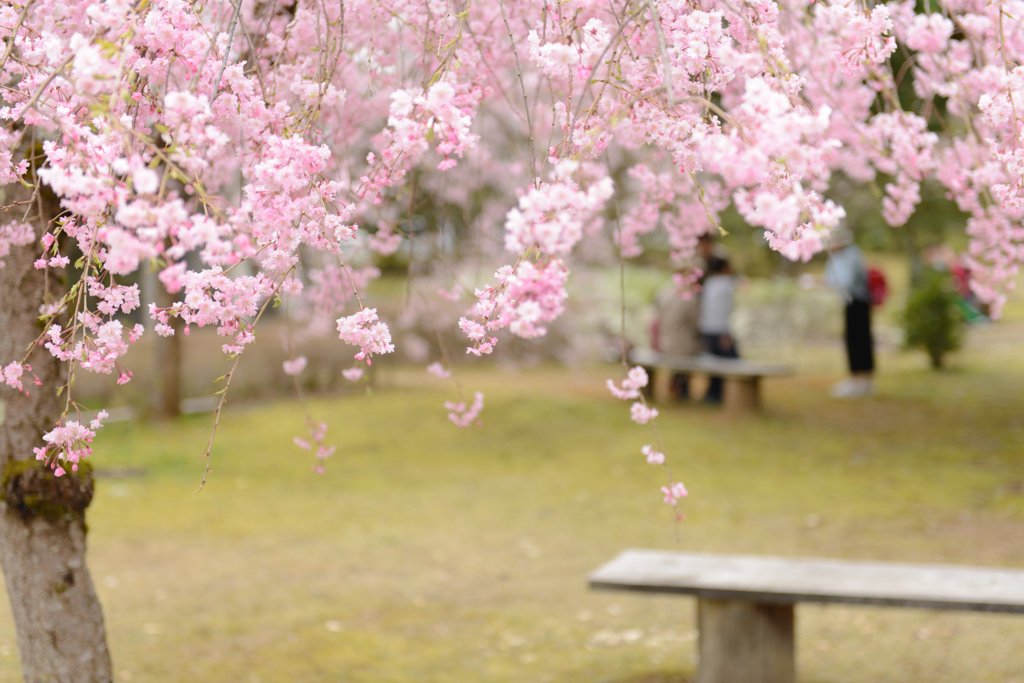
(630, 390)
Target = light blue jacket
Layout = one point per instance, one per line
(846, 273)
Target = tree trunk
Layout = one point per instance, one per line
(57, 615)
(168, 361)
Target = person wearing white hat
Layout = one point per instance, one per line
(847, 274)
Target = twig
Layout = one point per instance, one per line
(227, 383)
(664, 54)
(14, 34)
(597, 62)
(622, 286)
(522, 85)
(216, 421)
(32, 101)
(625, 358)
(497, 82)
(227, 52)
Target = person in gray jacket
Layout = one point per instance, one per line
(847, 274)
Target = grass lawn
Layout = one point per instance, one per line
(428, 553)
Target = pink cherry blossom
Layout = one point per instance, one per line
(364, 329)
(14, 234)
(438, 370)
(12, 375)
(653, 457)
(674, 492)
(635, 380)
(295, 366)
(462, 416)
(642, 414)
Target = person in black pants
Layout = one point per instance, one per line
(860, 349)
(848, 275)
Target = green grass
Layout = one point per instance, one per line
(428, 553)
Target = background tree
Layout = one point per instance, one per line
(931, 320)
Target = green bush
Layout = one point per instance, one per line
(932, 321)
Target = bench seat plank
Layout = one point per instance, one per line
(707, 364)
(772, 580)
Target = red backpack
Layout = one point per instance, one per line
(878, 288)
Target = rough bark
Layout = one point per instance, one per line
(57, 615)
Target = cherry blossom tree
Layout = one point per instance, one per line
(254, 151)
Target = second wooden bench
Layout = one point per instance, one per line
(742, 390)
(745, 605)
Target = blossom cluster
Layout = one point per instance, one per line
(70, 442)
(13, 375)
(365, 330)
(636, 379)
(463, 416)
(552, 217)
(315, 443)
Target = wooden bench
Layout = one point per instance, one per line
(745, 605)
(742, 378)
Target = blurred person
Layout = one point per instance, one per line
(708, 247)
(705, 247)
(716, 302)
(846, 273)
(676, 334)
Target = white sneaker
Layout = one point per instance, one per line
(853, 387)
(848, 388)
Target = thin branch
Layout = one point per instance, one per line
(216, 421)
(625, 356)
(522, 85)
(597, 62)
(497, 82)
(39, 91)
(227, 53)
(14, 34)
(664, 53)
(227, 383)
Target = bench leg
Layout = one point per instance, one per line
(742, 395)
(745, 642)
